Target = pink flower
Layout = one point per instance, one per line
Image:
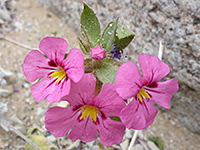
(56, 72)
(140, 112)
(98, 53)
(88, 114)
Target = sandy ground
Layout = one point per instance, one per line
(32, 24)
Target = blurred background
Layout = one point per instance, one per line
(23, 23)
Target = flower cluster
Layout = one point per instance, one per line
(105, 97)
(91, 111)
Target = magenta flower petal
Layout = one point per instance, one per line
(128, 80)
(54, 47)
(60, 120)
(138, 116)
(74, 64)
(50, 89)
(153, 68)
(46, 86)
(162, 93)
(61, 90)
(35, 66)
(82, 92)
(98, 53)
(109, 101)
(85, 130)
(111, 132)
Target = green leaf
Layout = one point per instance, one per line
(107, 71)
(123, 36)
(115, 118)
(86, 37)
(159, 142)
(90, 23)
(84, 47)
(32, 131)
(54, 32)
(37, 138)
(108, 36)
(40, 141)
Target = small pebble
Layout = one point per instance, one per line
(3, 44)
(40, 111)
(27, 100)
(20, 75)
(19, 25)
(26, 85)
(124, 144)
(27, 93)
(129, 133)
(51, 138)
(140, 135)
(95, 147)
(152, 145)
(90, 144)
(137, 147)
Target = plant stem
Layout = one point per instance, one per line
(133, 139)
(17, 43)
(160, 51)
(3, 121)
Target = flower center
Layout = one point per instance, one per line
(90, 110)
(60, 74)
(142, 94)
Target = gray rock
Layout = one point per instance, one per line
(6, 90)
(95, 147)
(137, 147)
(4, 15)
(26, 85)
(51, 138)
(40, 111)
(124, 144)
(152, 146)
(175, 23)
(3, 108)
(15, 119)
(129, 133)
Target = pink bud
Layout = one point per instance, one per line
(98, 53)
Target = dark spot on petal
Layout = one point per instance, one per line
(52, 63)
(74, 108)
(103, 116)
(97, 121)
(153, 85)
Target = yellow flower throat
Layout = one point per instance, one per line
(90, 110)
(60, 74)
(142, 93)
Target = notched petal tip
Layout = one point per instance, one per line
(74, 65)
(153, 68)
(54, 47)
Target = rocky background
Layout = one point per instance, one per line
(174, 22)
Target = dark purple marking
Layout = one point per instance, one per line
(52, 63)
(103, 116)
(50, 84)
(153, 85)
(76, 107)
